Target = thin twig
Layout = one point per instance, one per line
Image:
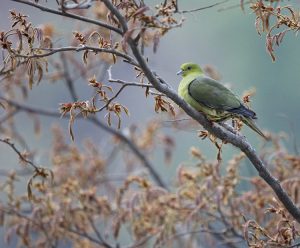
(12, 145)
(113, 98)
(202, 8)
(178, 120)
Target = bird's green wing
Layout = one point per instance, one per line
(212, 94)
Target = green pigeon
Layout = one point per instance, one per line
(212, 98)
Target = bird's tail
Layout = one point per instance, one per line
(250, 123)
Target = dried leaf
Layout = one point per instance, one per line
(71, 122)
(140, 11)
(119, 121)
(147, 91)
(2, 216)
(85, 56)
(29, 189)
(2, 105)
(126, 110)
(40, 71)
(30, 72)
(114, 58)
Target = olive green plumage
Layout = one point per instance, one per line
(216, 101)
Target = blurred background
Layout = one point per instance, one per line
(224, 38)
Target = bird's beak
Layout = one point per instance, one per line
(179, 72)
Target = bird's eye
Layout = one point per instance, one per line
(189, 68)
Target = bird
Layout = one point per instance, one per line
(212, 98)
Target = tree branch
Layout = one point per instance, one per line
(78, 49)
(214, 128)
(73, 16)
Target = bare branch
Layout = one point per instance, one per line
(124, 85)
(119, 81)
(73, 16)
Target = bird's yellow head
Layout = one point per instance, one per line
(189, 68)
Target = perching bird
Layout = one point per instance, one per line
(212, 98)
